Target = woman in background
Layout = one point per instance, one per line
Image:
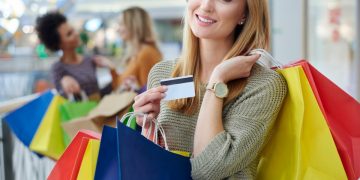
(73, 73)
(141, 49)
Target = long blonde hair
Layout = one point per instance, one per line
(139, 24)
(254, 33)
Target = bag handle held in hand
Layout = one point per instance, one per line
(264, 54)
(158, 127)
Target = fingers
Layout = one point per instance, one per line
(254, 57)
(149, 103)
(160, 89)
(148, 98)
(149, 108)
(72, 89)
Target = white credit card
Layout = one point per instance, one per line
(179, 87)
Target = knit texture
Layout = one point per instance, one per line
(248, 119)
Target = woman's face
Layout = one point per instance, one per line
(215, 19)
(69, 37)
(123, 31)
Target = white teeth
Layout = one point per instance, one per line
(205, 20)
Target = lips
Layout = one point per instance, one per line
(205, 19)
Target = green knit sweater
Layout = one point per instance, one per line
(233, 153)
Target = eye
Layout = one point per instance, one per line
(227, 1)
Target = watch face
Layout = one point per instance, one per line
(221, 90)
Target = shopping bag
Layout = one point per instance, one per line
(73, 110)
(342, 113)
(88, 164)
(25, 120)
(111, 104)
(48, 139)
(68, 166)
(301, 145)
(107, 167)
(72, 127)
(131, 122)
(89, 123)
(140, 158)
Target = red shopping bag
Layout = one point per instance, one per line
(67, 167)
(342, 113)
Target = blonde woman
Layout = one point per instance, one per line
(141, 50)
(224, 132)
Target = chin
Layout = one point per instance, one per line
(203, 35)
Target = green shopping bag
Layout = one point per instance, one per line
(131, 124)
(73, 110)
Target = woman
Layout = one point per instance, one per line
(141, 50)
(224, 132)
(73, 73)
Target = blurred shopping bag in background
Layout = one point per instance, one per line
(68, 166)
(342, 113)
(73, 110)
(301, 145)
(103, 114)
(48, 139)
(88, 164)
(25, 120)
(111, 104)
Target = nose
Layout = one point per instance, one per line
(207, 5)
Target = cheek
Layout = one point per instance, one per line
(231, 18)
(191, 7)
(75, 38)
(193, 4)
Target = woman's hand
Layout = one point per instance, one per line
(70, 85)
(130, 83)
(234, 68)
(104, 62)
(149, 103)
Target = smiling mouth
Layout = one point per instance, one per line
(205, 20)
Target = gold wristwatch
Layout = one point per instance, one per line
(220, 89)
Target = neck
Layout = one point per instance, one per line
(212, 53)
(69, 56)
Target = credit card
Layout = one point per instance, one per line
(179, 87)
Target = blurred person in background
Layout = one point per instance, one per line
(141, 49)
(73, 73)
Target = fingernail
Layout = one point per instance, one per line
(165, 87)
(163, 95)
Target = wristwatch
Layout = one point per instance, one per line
(220, 89)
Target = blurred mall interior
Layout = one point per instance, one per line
(325, 32)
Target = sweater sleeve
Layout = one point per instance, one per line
(249, 121)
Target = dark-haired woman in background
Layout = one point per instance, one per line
(73, 73)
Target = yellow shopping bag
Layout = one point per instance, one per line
(88, 164)
(301, 146)
(48, 139)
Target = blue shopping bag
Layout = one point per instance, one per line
(140, 158)
(107, 164)
(25, 120)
